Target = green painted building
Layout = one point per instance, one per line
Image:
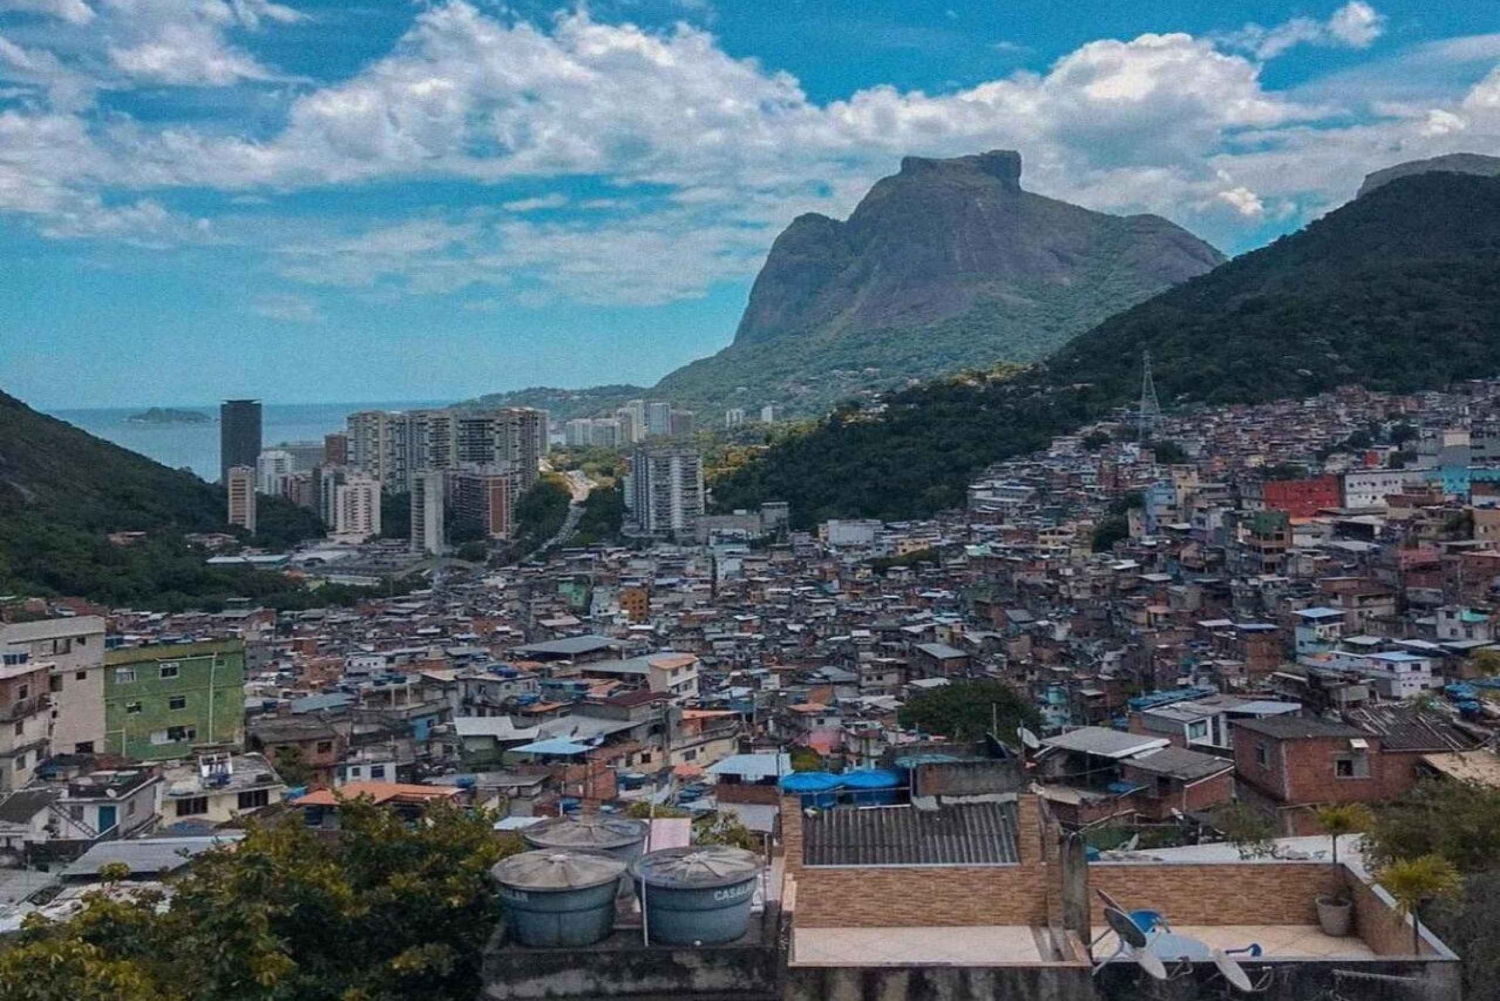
(160, 701)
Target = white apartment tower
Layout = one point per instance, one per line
(357, 506)
(240, 481)
(427, 512)
(666, 489)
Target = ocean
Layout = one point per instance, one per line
(196, 446)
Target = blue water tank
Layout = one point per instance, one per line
(558, 898)
(815, 788)
(872, 787)
(698, 895)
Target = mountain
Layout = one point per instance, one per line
(1453, 163)
(63, 491)
(945, 265)
(1397, 290)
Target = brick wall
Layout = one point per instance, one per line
(1275, 893)
(1383, 930)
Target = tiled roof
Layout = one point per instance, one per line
(958, 834)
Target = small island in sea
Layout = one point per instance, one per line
(169, 415)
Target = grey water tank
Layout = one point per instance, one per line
(620, 837)
(558, 898)
(700, 894)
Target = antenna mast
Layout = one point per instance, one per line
(1150, 410)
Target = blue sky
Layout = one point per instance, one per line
(309, 201)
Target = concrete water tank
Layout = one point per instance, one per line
(620, 837)
(698, 895)
(815, 788)
(558, 898)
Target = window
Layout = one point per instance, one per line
(356, 771)
(325, 747)
(84, 747)
(21, 728)
(1262, 755)
(1198, 730)
(75, 812)
(130, 808)
(12, 659)
(192, 807)
(377, 771)
(22, 692)
(254, 799)
(54, 683)
(177, 702)
(168, 671)
(180, 733)
(132, 708)
(80, 675)
(64, 645)
(124, 675)
(1352, 766)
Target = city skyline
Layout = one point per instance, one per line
(309, 188)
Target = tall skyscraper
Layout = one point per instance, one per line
(666, 487)
(482, 498)
(272, 469)
(239, 435)
(240, 484)
(682, 422)
(427, 512)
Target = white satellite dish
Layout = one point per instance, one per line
(1233, 972)
(1152, 964)
(1028, 738)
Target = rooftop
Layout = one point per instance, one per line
(955, 834)
(1103, 742)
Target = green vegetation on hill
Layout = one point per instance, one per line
(1398, 290)
(63, 492)
(540, 513)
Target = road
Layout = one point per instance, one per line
(579, 486)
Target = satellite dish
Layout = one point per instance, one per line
(1233, 972)
(1028, 738)
(1109, 901)
(1130, 933)
(1132, 844)
(1152, 964)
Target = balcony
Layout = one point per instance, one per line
(21, 708)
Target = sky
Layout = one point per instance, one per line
(313, 201)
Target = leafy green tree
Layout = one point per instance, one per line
(387, 910)
(1246, 829)
(967, 710)
(1417, 881)
(293, 767)
(395, 516)
(1095, 441)
(1458, 820)
(1110, 530)
(1339, 819)
(1168, 453)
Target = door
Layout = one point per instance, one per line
(107, 817)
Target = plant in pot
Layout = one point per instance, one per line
(1413, 882)
(1336, 911)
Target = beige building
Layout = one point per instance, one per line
(241, 485)
(74, 648)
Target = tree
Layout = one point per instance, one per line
(388, 910)
(1458, 820)
(1168, 453)
(967, 710)
(292, 767)
(806, 760)
(1415, 881)
(1486, 662)
(1247, 830)
(1094, 441)
(473, 552)
(1338, 819)
(1109, 531)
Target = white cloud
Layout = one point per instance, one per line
(1356, 25)
(72, 11)
(555, 200)
(1244, 201)
(706, 156)
(287, 308)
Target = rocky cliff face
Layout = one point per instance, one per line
(1453, 163)
(944, 238)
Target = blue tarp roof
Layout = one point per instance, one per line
(553, 745)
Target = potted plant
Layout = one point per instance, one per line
(1336, 911)
(1413, 882)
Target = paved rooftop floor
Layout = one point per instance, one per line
(1276, 941)
(985, 945)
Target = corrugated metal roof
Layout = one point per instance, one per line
(956, 834)
(146, 855)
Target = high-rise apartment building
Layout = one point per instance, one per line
(769, 413)
(240, 483)
(239, 435)
(482, 499)
(335, 450)
(666, 489)
(637, 411)
(271, 471)
(734, 417)
(357, 506)
(682, 422)
(394, 447)
(427, 534)
(658, 419)
(576, 432)
(625, 417)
